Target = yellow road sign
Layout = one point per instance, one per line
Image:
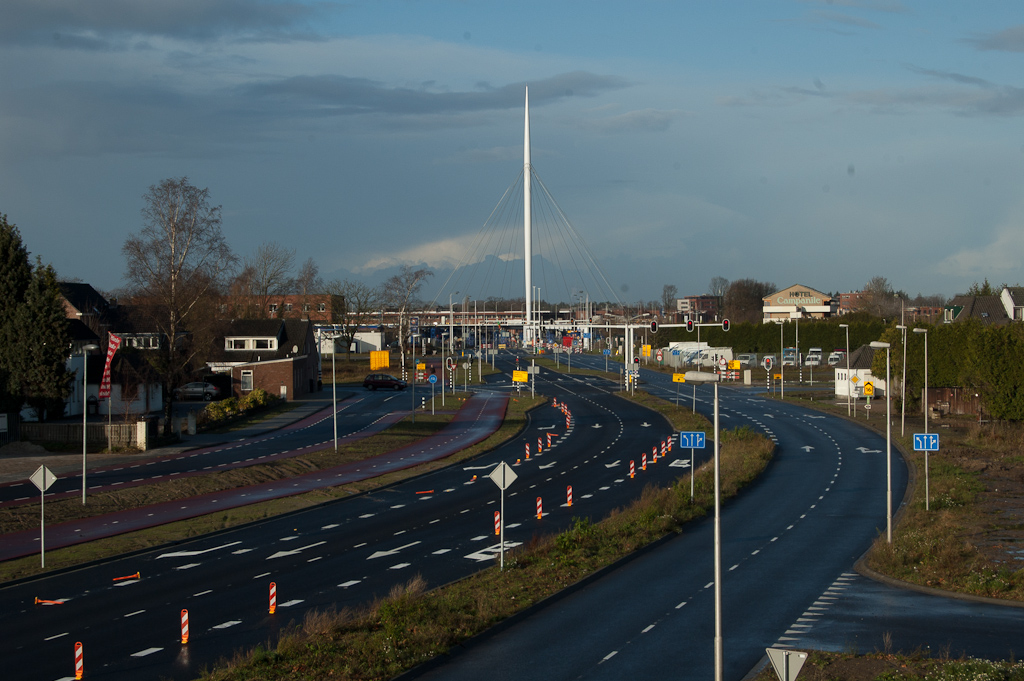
(679, 378)
(869, 388)
(379, 359)
(420, 366)
(520, 377)
(646, 351)
(855, 379)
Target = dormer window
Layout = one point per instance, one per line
(250, 344)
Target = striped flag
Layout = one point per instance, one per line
(112, 345)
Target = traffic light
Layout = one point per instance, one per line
(654, 326)
(725, 325)
(689, 325)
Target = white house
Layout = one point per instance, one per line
(852, 381)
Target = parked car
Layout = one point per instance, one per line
(199, 390)
(374, 381)
(747, 360)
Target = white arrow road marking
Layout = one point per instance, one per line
(771, 416)
(294, 551)
(597, 425)
(807, 448)
(147, 651)
(491, 551)
(183, 554)
(815, 417)
(613, 464)
(546, 466)
(645, 425)
(544, 427)
(680, 463)
(865, 450)
(379, 554)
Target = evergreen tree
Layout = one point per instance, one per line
(15, 275)
(40, 361)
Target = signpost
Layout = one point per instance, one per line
(693, 440)
(503, 476)
(677, 379)
(433, 380)
(787, 663)
(42, 479)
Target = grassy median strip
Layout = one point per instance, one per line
(399, 435)
(414, 625)
(887, 666)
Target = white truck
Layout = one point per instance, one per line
(709, 357)
(813, 358)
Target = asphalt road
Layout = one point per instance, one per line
(439, 526)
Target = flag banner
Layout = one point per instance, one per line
(112, 345)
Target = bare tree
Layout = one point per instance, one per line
(354, 304)
(268, 276)
(744, 300)
(173, 265)
(718, 286)
(879, 299)
(308, 283)
(398, 291)
(669, 293)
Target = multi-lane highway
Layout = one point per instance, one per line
(439, 526)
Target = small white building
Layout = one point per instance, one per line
(852, 381)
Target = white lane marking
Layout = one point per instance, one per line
(351, 582)
(440, 552)
(265, 574)
(225, 625)
(295, 551)
(379, 554)
(288, 604)
(709, 585)
(184, 554)
(755, 552)
(648, 628)
(680, 605)
(329, 527)
(203, 593)
(609, 656)
(240, 552)
(399, 566)
(291, 538)
(187, 567)
(147, 651)
(367, 515)
(50, 638)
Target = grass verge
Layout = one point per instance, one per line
(414, 625)
(887, 666)
(403, 433)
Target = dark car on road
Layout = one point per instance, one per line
(374, 381)
(199, 390)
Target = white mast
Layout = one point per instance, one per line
(527, 225)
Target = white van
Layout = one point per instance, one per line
(813, 357)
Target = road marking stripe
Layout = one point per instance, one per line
(147, 651)
(225, 625)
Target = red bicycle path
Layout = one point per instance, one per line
(378, 426)
(479, 417)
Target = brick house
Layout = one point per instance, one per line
(278, 355)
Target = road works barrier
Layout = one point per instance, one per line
(497, 523)
(540, 508)
(273, 597)
(632, 469)
(79, 661)
(184, 626)
(568, 496)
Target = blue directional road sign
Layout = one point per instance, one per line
(692, 440)
(926, 442)
(433, 378)
(607, 351)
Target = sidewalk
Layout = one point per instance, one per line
(20, 460)
(480, 416)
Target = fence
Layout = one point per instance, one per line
(121, 434)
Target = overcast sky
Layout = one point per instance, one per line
(821, 143)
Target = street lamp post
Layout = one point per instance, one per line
(925, 401)
(903, 387)
(86, 349)
(849, 386)
(696, 377)
(451, 340)
(878, 345)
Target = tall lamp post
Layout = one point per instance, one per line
(451, 339)
(903, 386)
(849, 386)
(696, 377)
(925, 401)
(86, 349)
(878, 345)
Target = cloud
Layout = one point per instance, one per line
(444, 253)
(843, 19)
(104, 23)
(643, 120)
(892, 6)
(997, 259)
(1008, 40)
(952, 76)
(339, 95)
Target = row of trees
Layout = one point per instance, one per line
(34, 338)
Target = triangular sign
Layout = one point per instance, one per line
(787, 663)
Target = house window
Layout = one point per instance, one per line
(287, 307)
(246, 380)
(305, 307)
(273, 307)
(322, 307)
(262, 343)
(236, 344)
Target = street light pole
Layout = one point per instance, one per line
(706, 377)
(849, 386)
(86, 349)
(903, 388)
(451, 338)
(925, 401)
(878, 345)
(334, 387)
